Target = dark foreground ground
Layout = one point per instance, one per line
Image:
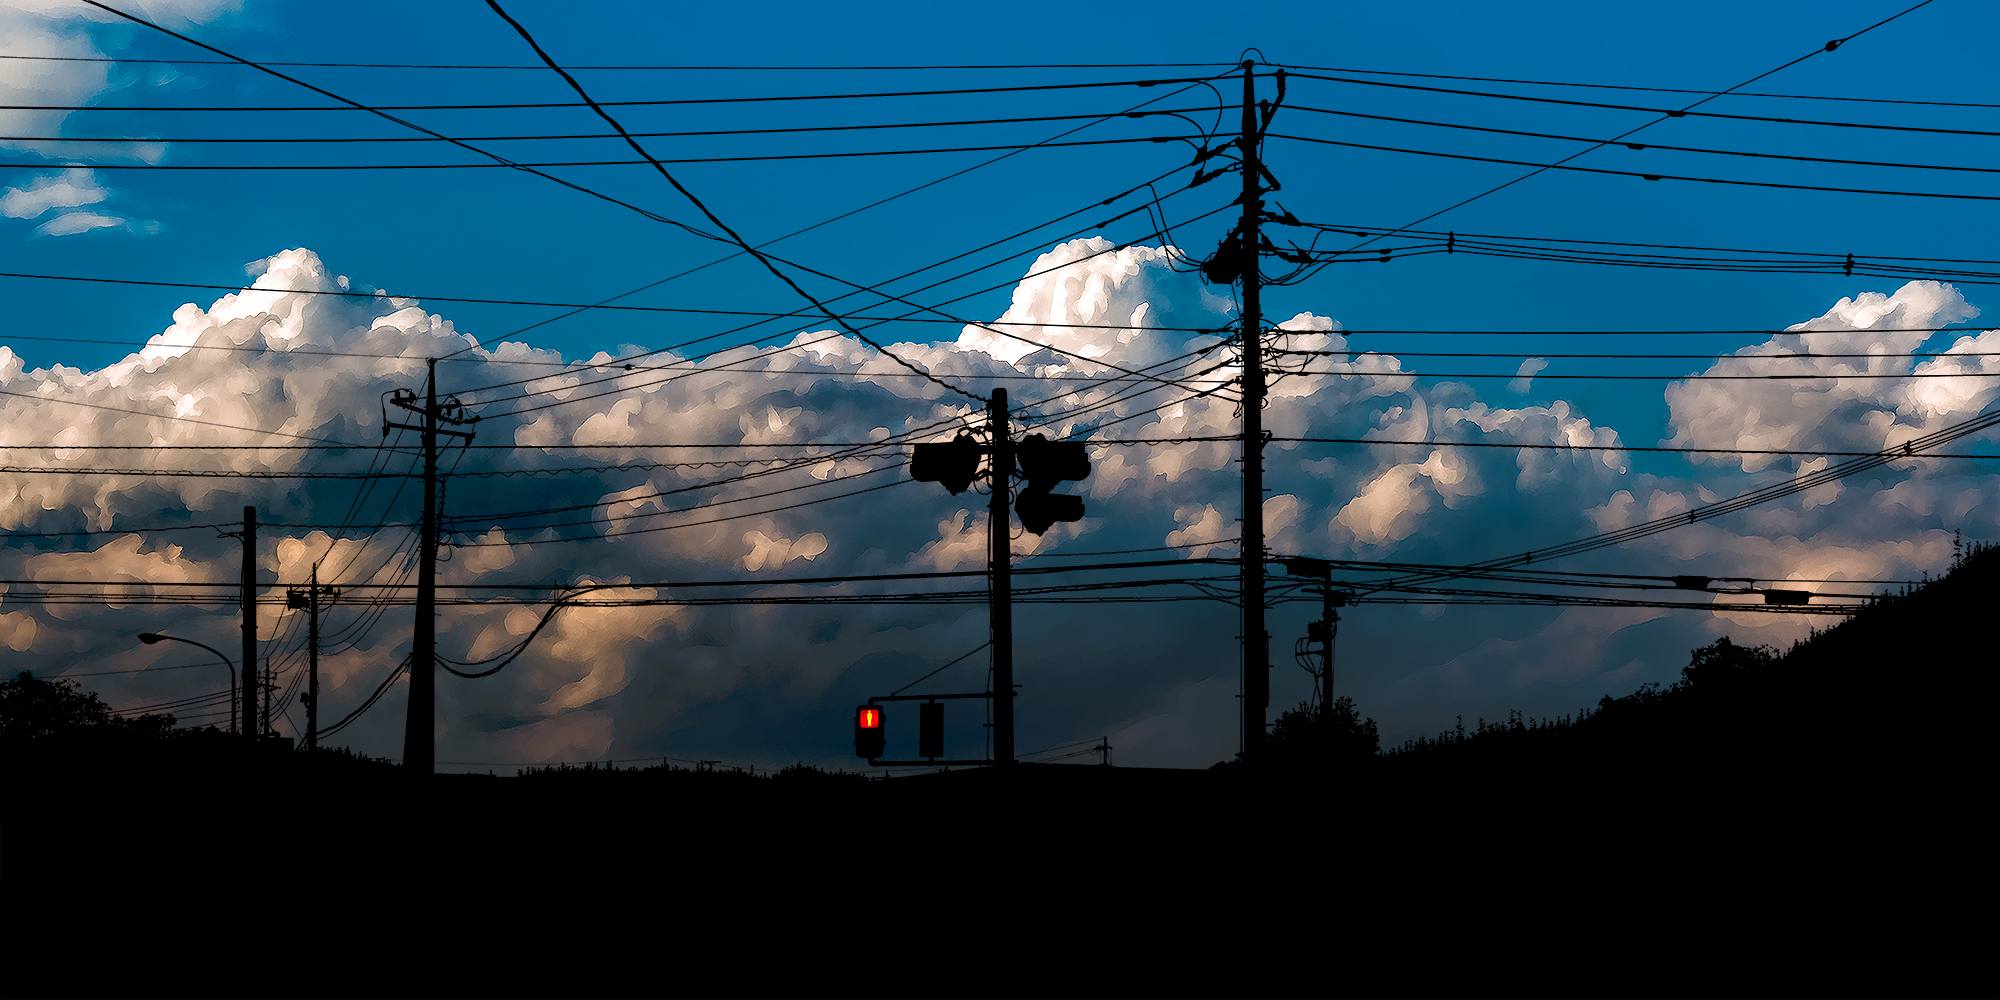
(1789, 878)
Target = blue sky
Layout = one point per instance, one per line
(485, 232)
(493, 232)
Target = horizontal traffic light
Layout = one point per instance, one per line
(952, 464)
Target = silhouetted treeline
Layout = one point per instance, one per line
(53, 728)
(1910, 678)
(708, 774)
(1298, 737)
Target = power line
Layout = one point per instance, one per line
(1638, 89)
(1664, 112)
(535, 105)
(263, 140)
(518, 165)
(574, 590)
(155, 529)
(1644, 146)
(1642, 175)
(43, 398)
(1835, 256)
(210, 664)
(1731, 332)
(1616, 377)
(1655, 449)
(1724, 265)
(626, 67)
(493, 301)
(32, 470)
(1808, 355)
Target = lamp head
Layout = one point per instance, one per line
(150, 637)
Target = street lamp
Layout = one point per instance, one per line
(150, 638)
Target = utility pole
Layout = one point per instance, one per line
(1330, 615)
(248, 709)
(308, 599)
(420, 724)
(1322, 631)
(999, 532)
(1256, 641)
(266, 731)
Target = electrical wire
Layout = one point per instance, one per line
(627, 67)
(550, 164)
(1644, 146)
(1637, 89)
(1687, 112)
(539, 105)
(1642, 175)
(577, 136)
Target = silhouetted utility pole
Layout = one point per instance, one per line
(1000, 531)
(266, 731)
(1330, 618)
(420, 725)
(1322, 631)
(1256, 641)
(248, 709)
(308, 599)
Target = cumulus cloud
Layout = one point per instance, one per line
(1865, 414)
(629, 679)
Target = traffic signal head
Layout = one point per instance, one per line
(952, 464)
(1040, 511)
(1045, 464)
(930, 729)
(869, 737)
(1043, 460)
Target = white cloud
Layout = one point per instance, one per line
(62, 189)
(1524, 376)
(630, 679)
(76, 223)
(1864, 414)
(56, 39)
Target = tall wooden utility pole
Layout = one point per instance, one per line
(420, 725)
(1256, 641)
(999, 531)
(310, 600)
(247, 710)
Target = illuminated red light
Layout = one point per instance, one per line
(870, 718)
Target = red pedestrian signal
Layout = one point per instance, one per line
(869, 738)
